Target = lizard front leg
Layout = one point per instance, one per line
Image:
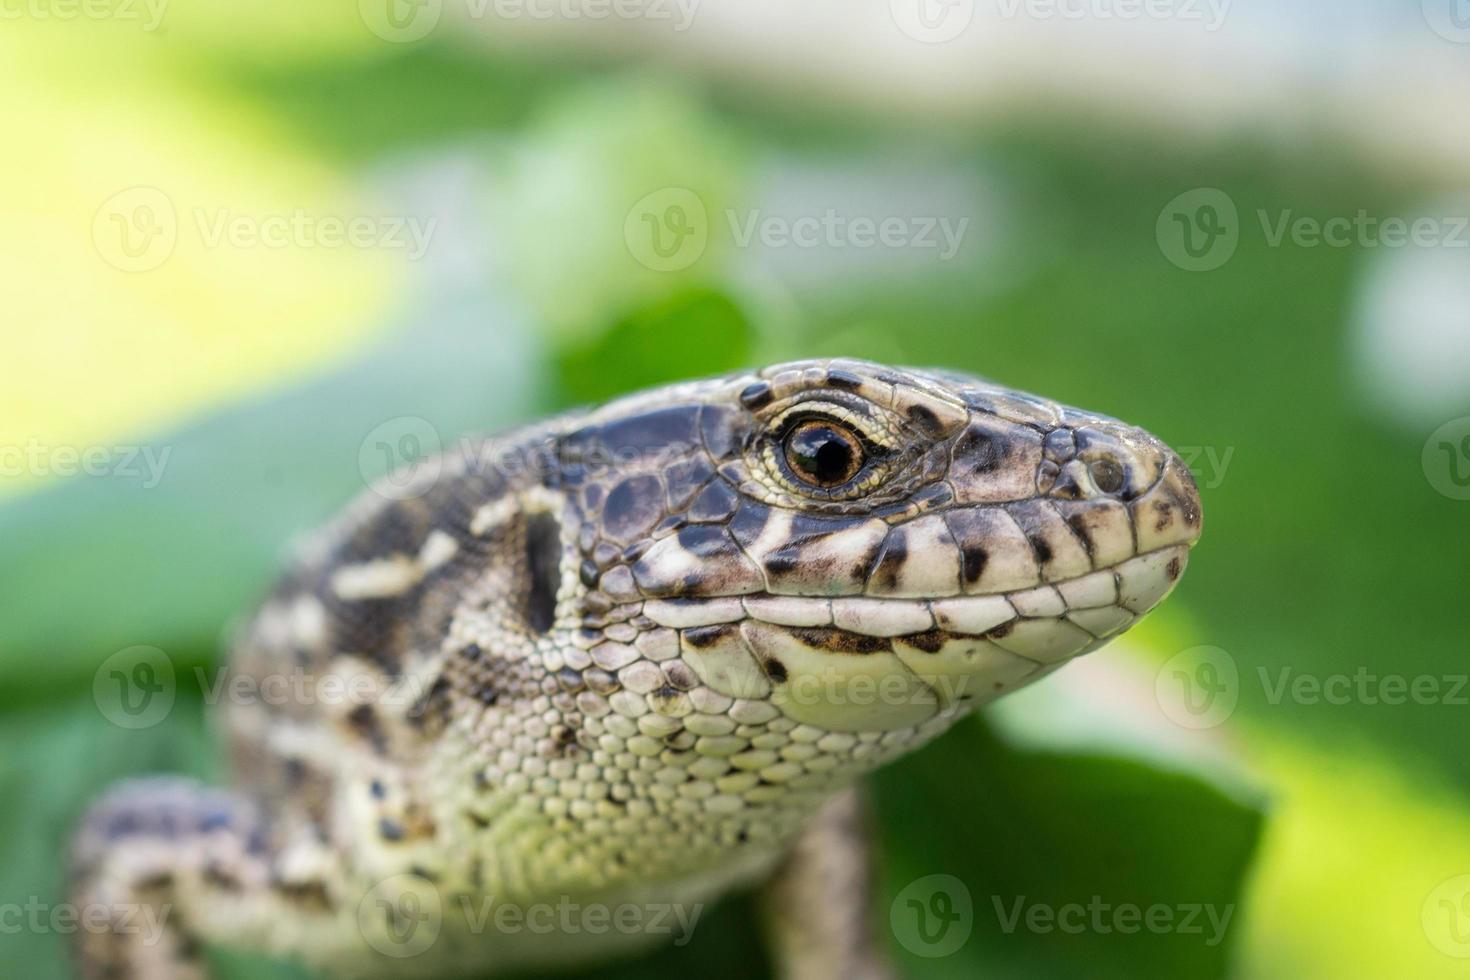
(818, 910)
(175, 864)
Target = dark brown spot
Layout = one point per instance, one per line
(840, 641)
(588, 574)
(1165, 511)
(756, 396)
(978, 452)
(845, 380)
(1002, 631)
(1041, 546)
(925, 419)
(891, 561)
(543, 557)
(701, 637)
(930, 641)
(780, 563)
(775, 670)
(155, 882)
(363, 720)
(1080, 527)
(431, 711)
(973, 559)
(1172, 569)
(310, 893)
(680, 675)
(217, 877)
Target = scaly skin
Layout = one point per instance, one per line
(641, 655)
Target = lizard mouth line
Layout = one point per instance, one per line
(1101, 602)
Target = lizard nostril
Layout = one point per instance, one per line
(1107, 474)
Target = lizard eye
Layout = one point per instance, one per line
(823, 453)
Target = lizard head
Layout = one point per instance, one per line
(852, 553)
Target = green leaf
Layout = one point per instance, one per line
(652, 346)
(1058, 853)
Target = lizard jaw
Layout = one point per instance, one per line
(810, 655)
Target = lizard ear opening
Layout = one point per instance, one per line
(543, 564)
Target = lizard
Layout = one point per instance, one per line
(636, 656)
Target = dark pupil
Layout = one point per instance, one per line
(821, 453)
